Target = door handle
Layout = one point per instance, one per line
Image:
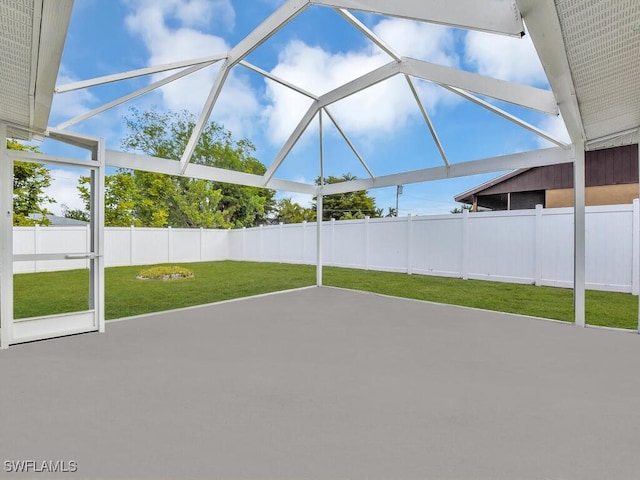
(80, 256)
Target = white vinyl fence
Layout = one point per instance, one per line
(524, 246)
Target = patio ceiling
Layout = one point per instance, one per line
(32, 34)
(588, 48)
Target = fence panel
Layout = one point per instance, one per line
(150, 245)
(555, 258)
(436, 245)
(184, 245)
(117, 246)
(518, 246)
(387, 246)
(501, 246)
(609, 247)
(350, 243)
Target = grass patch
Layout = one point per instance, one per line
(608, 309)
(167, 272)
(59, 292)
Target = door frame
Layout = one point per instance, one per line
(51, 326)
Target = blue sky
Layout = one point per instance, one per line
(318, 51)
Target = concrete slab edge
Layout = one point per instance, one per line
(530, 317)
(204, 305)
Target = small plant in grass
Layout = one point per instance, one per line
(164, 273)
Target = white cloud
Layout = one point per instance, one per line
(504, 57)
(154, 20)
(384, 107)
(425, 41)
(64, 190)
(68, 105)
(554, 126)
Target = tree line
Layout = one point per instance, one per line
(146, 199)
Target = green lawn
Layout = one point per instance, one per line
(58, 292)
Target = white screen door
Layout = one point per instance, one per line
(65, 293)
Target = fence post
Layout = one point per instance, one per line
(280, 248)
(366, 243)
(201, 242)
(36, 244)
(131, 237)
(168, 244)
(244, 243)
(409, 244)
(304, 241)
(465, 245)
(261, 246)
(537, 252)
(333, 242)
(635, 248)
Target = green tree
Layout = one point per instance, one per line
(75, 214)
(146, 199)
(347, 206)
(151, 199)
(288, 211)
(29, 182)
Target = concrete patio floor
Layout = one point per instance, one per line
(324, 383)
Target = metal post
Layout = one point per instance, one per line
(97, 227)
(6, 242)
(319, 241)
(638, 134)
(319, 209)
(399, 190)
(579, 249)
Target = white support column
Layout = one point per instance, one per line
(6, 242)
(579, 249)
(319, 240)
(97, 232)
(635, 249)
(637, 217)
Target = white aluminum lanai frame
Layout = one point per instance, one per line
(576, 70)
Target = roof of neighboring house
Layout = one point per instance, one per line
(56, 221)
(611, 166)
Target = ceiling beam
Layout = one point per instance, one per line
(368, 33)
(138, 73)
(536, 158)
(133, 161)
(427, 120)
(508, 116)
(495, 16)
(544, 28)
(278, 19)
(518, 94)
(279, 80)
(291, 141)
(361, 83)
(201, 123)
(131, 96)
